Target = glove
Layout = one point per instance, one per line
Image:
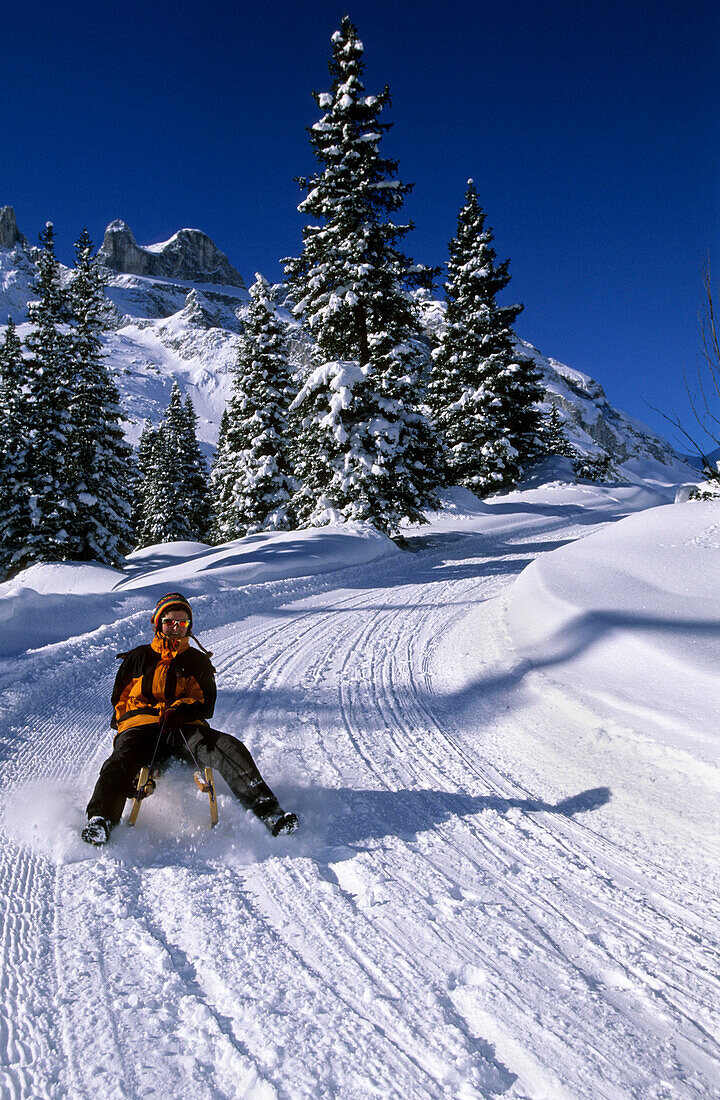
(173, 719)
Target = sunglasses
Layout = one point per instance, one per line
(175, 622)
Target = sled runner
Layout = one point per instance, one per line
(145, 785)
(207, 786)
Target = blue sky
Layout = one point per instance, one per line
(592, 131)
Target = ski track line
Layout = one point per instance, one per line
(154, 1034)
(29, 1061)
(417, 943)
(296, 1002)
(390, 680)
(384, 678)
(538, 821)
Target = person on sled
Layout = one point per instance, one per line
(164, 694)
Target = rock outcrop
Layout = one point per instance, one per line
(10, 235)
(588, 417)
(189, 255)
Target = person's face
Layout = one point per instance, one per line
(175, 623)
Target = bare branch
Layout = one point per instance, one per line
(703, 397)
(705, 404)
(676, 423)
(709, 335)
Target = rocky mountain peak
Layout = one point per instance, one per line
(189, 255)
(10, 235)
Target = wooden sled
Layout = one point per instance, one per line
(145, 785)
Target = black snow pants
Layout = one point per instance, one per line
(134, 749)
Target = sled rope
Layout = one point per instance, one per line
(161, 731)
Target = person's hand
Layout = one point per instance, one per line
(173, 719)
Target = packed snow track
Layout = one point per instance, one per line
(447, 922)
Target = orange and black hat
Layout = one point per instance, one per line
(168, 601)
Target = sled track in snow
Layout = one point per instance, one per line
(28, 1020)
(663, 934)
(433, 930)
(377, 690)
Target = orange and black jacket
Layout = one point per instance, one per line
(153, 678)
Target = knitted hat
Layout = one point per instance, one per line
(168, 601)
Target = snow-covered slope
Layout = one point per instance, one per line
(182, 327)
(591, 423)
(17, 271)
(617, 638)
(503, 884)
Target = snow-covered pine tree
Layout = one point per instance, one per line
(163, 517)
(483, 394)
(364, 449)
(555, 442)
(221, 474)
(167, 501)
(14, 492)
(252, 481)
(195, 477)
(102, 460)
(598, 467)
(144, 485)
(50, 392)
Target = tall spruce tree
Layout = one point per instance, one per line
(364, 449)
(195, 476)
(554, 439)
(483, 394)
(168, 501)
(101, 459)
(14, 473)
(144, 486)
(163, 517)
(252, 481)
(50, 393)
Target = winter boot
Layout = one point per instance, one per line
(274, 818)
(97, 830)
(286, 823)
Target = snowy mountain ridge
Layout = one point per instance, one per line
(590, 421)
(174, 320)
(189, 254)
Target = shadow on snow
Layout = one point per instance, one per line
(353, 817)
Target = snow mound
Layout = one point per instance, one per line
(32, 602)
(459, 501)
(46, 604)
(262, 557)
(552, 471)
(63, 577)
(630, 617)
